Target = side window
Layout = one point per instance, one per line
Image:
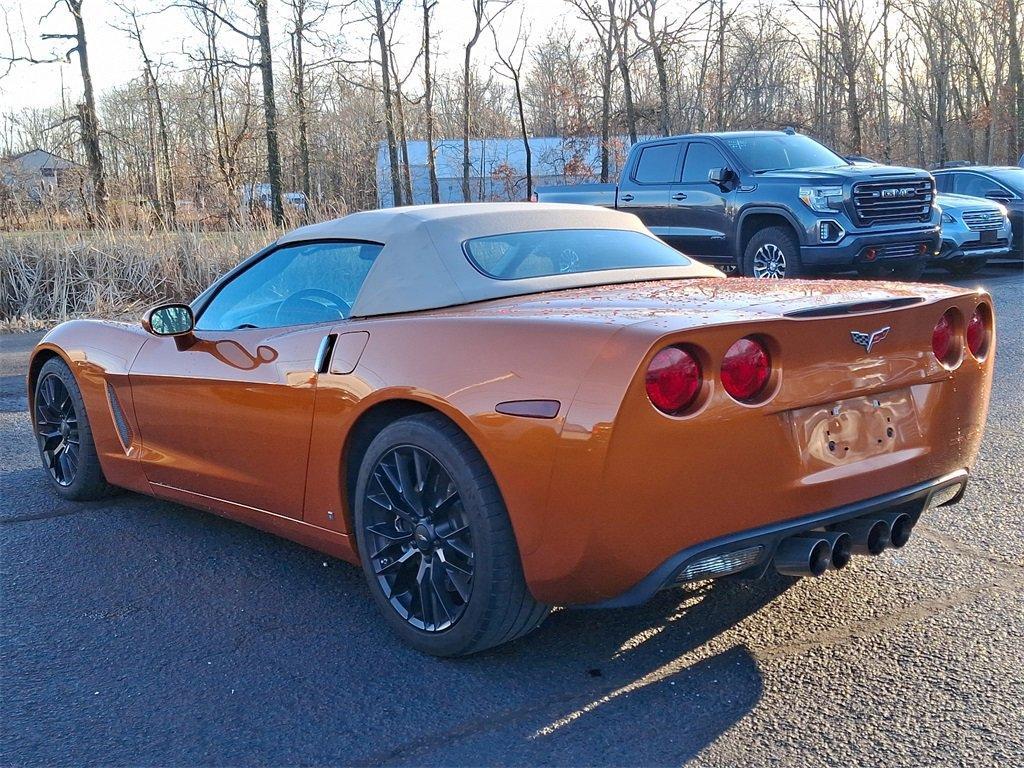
(973, 184)
(944, 182)
(701, 158)
(657, 164)
(294, 285)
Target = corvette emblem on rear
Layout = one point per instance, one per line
(868, 340)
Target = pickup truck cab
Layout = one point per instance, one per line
(773, 204)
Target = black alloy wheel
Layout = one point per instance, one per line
(57, 429)
(436, 541)
(420, 538)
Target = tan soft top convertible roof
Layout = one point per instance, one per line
(423, 266)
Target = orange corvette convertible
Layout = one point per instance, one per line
(497, 408)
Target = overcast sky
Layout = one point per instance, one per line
(114, 59)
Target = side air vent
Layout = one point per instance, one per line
(854, 308)
(124, 430)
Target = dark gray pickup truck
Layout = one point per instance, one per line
(773, 204)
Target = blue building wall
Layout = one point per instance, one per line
(498, 170)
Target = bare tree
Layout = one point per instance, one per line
(88, 123)
(428, 101)
(512, 63)
(604, 31)
(305, 15)
(620, 21)
(258, 33)
(389, 111)
(484, 14)
(165, 194)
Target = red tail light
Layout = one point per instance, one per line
(673, 380)
(978, 331)
(746, 368)
(944, 341)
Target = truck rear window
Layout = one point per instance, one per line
(520, 255)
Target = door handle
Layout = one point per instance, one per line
(323, 354)
(626, 197)
(679, 196)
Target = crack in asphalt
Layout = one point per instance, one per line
(79, 509)
(922, 609)
(588, 701)
(967, 550)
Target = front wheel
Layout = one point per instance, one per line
(772, 253)
(64, 435)
(435, 541)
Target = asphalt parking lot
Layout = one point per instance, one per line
(137, 632)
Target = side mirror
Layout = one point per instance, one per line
(998, 194)
(720, 177)
(169, 320)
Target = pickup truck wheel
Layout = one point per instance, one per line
(436, 542)
(772, 253)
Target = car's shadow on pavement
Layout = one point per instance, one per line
(141, 632)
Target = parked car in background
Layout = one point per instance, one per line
(974, 230)
(1003, 184)
(495, 408)
(772, 204)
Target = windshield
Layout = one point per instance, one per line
(782, 152)
(1011, 177)
(519, 255)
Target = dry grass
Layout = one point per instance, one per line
(48, 277)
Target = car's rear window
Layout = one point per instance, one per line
(520, 255)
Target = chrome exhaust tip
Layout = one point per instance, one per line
(842, 548)
(868, 536)
(809, 555)
(900, 526)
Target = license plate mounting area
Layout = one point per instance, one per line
(854, 429)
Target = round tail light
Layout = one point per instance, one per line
(978, 331)
(944, 343)
(746, 368)
(673, 380)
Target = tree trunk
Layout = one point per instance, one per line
(659, 64)
(389, 117)
(465, 122)
(621, 41)
(87, 117)
(1016, 133)
(270, 115)
(606, 105)
(525, 135)
(403, 142)
(298, 56)
(720, 121)
(164, 173)
(428, 98)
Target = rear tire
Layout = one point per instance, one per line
(772, 253)
(64, 436)
(445, 573)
